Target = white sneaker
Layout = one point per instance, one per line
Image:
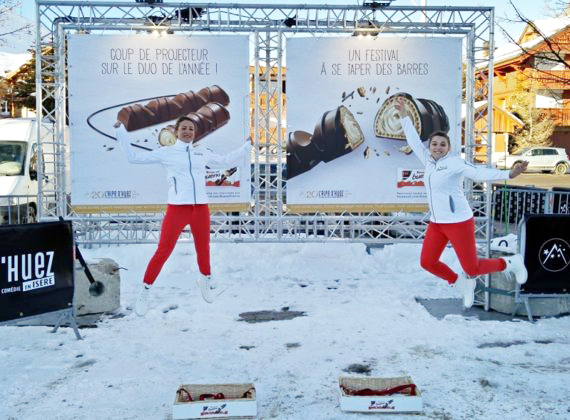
(141, 306)
(214, 283)
(466, 286)
(515, 265)
(204, 284)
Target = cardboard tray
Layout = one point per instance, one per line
(395, 403)
(236, 405)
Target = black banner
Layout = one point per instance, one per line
(546, 248)
(36, 269)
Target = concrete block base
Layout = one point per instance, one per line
(107, 272)
(547, 306)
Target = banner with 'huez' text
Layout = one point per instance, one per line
(36, 269)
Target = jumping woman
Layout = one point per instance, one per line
(451, 218)
(185, 165)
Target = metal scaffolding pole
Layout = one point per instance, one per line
(268, 26)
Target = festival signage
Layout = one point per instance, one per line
(36, 269)
(146, 83)
(345, 145)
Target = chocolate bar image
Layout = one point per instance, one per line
(336, 134)
(167, 136)
(214, 94)
(427, 117)
(302, 153)
(160, 110)
(208, 118)
(225, 176)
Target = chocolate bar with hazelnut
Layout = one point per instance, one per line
(427, 117)
(160, 110)
(336, 134)
(214, 94)
(208, 118)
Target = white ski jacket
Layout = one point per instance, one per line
(443, 179)
(185, 166)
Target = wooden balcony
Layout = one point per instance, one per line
(561, 116)
(552, 79)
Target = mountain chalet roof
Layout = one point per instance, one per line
(547, 28)
(12, 61)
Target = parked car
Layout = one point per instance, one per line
(552, 159)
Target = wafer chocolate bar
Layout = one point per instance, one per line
(208, 118)
(214, 94)
(160, 110)
(427, 117)
(336, 134)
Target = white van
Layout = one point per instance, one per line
(18, 170)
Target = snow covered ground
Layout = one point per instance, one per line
(360, 309)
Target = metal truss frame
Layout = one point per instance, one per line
(269, 26)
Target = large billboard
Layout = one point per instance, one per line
(345, 146)
(148, 82)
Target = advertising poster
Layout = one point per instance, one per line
(147, 82)
(345, 146)
(36, 269)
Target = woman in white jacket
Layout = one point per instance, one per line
(185, 165)
(451, 218)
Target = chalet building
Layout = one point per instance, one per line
(505, 124)
(268, 105)
(540, 61)
(10, 63)
(10, 108)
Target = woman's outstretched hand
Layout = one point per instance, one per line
(518, 169)
(400, 107)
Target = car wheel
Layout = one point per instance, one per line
(560, 168)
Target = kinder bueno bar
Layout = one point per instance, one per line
(160, 110)
(214, 94)
(337, 133)
(427, 117)
(208, 118)
(302, 154)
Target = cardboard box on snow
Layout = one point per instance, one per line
(395, 403)
(238, 402)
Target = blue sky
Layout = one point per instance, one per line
(533, 9)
